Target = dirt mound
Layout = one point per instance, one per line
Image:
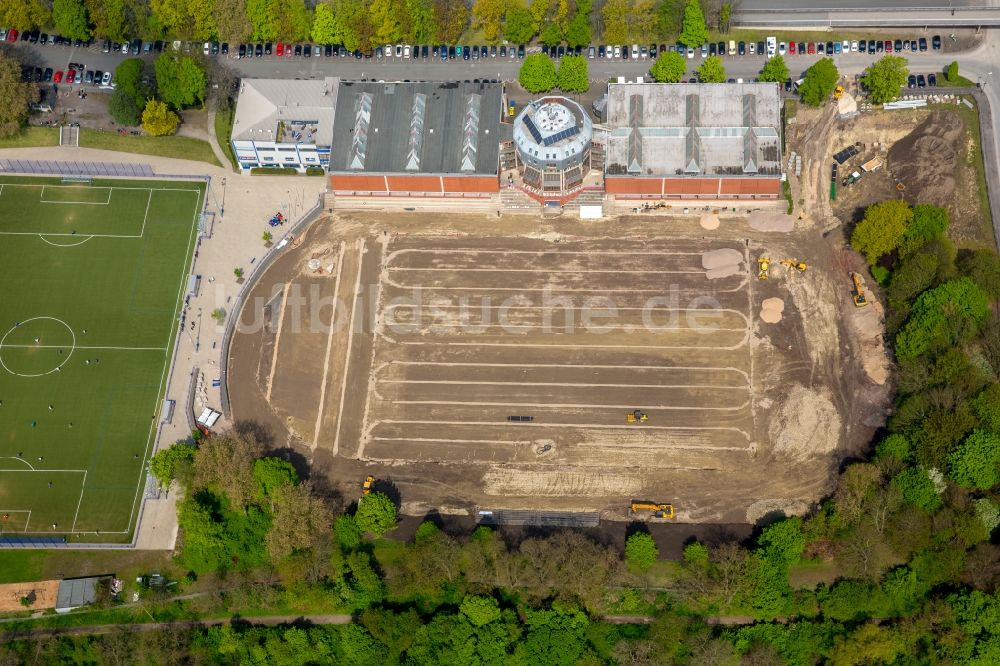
(926, 160)
(807, 425)
(771, 309)
(720, 258)
(709, 221)
(765, 220)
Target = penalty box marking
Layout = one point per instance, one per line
(27, 520)
(83, 487)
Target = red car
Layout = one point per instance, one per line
(888, 46)
(791, 48)
(811, 49)
(12, 35)
(288, 50)
(280, 49)
(70, 75)
(58, 77)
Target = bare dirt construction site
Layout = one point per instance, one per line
(476, 365)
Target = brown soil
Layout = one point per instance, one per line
(43, 592)
(417, 386)
(926, 160)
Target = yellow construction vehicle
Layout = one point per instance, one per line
(664, 511)
(763, 266)
(794, 263)
(636, 416)
(838, 91)
(367, 487)
(859, 291)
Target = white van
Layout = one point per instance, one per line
(772, 46)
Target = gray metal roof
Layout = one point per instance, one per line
(76, 592)
(663, 129)
(303, 108)
(429, 127)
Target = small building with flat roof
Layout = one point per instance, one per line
(419, 139)
(552, 137)
(693, 141)
(76, 592)
(284, 123)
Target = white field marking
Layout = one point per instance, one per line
(557, 308)
(182, 284)
(6, 346)
(350, 342)
(563, 365)
(372, 371)
(590, 253)
(42, 199)
(45, 240)
(57, 471)
(563, 384)
(559, 290)
(561, 346)
(112, 187)
(49, 233)
(76, 515)
(457, 328)
(587, 426)
(277, 340)
(569, 405)
(544, 270)
(688, 447)
(329, 349)
(26, 522)
(18, 459)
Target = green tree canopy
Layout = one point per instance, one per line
(820, 80)
(882, 229)
(951, 72)
(518, 26)
(326, 27)
(572, 76)
(578, 33)
(775, 69)
(180, 80)
(987, 407)
(376, 514)
(537, 74)
(982, 267)
(918, 489)
(158, 119)
(128, 80)
(70, 18)
(941, 317)
(668, 68)
(929, 224)
(783, 541)
(172, 462)
(694, 32)
(273, 473)
(885, 77)
(976, 462)
(711, 70)
(123, 108)
(641, 551)
(480, 610)
(15, 95)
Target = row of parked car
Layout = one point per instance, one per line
(920, 81)
(75, 73)
(37, 37)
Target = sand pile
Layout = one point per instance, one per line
(721, 263)
(766, 220)
(771, 310)
(709, 221)
(807, 424)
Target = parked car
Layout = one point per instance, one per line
(921, 81)
(854, 46)
(741, 48)
(47, 76)
(317, 51)
(298, 51)
(781, 48)
(243, 51)
(932, 80)
(258, 51)
(791, 48)
(89, 78)
(897, 45)
(845, 46)
(888, 46)
(704, 50)
(911, 81)
(125, 47)
(711, 49)
(837, 48)
(98, 74)
(922, 44)
(591, 52)
(12, 36)
(935, 41)
(520, 52)
(106, 79)
(58, 77)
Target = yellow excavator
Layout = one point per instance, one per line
(662, 511)
(859, 291)
(800, 266)
(636, 416)
(367, 487)
(763, 266)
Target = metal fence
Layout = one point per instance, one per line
(233, 316)
(54, 167)
(538, 518)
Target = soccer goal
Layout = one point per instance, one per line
(77, 180)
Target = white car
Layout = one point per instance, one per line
(772, 46)
(635, 52)
(781, 48)
(618, 52)
(207, 48)
(609, 52)
(690, 52)
(125, 48)
(106, 79)
(406, 51)
(854, 46)
(388, 50)
(845, 46)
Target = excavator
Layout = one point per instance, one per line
(636, 416)
(367, 487)
(859, 291)
(663, 511)
(763, 266)
(794, 263)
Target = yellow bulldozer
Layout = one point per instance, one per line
(367, 487)
(858, 295)
(636, 416)
(662, 511)
(794, 263)
(763, 266)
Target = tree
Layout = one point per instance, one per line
(976, 462)
(299, 519)
(224, 465)
(725, 16)
(572, 76)
(231, 20)
(983, 268)
(537, 74)
(694, 32)
(775, 70)
(487, 15)
(123, 108)
(70, 18)
(180, 80)
(420, 28)
(915, 274)
(271, 475)
(668, 68)
(783, 541)
(171, 463)
(219, 314)
(518, 26)
(918, 489)
(267, 237)
(987, 407)
(376, 514)
(641, 551)
(941, 317)
(712, 70)
(578, 33)
(480, 610)
(238, 274)
(24, 14)
(128, 79)
(15, 96)
(615, 15)
(885, 77)
(819, 82)
(882, 229)
(158, 119)
(929, 224)
(325, 27)
(951, 72)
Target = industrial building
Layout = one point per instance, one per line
(552, 139)
(421, 139)
(693, 141)
(284, 123)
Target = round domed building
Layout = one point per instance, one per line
(552, 137)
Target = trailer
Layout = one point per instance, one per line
(845, 154)
(872, 165)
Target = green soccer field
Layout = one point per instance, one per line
(93, 278)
